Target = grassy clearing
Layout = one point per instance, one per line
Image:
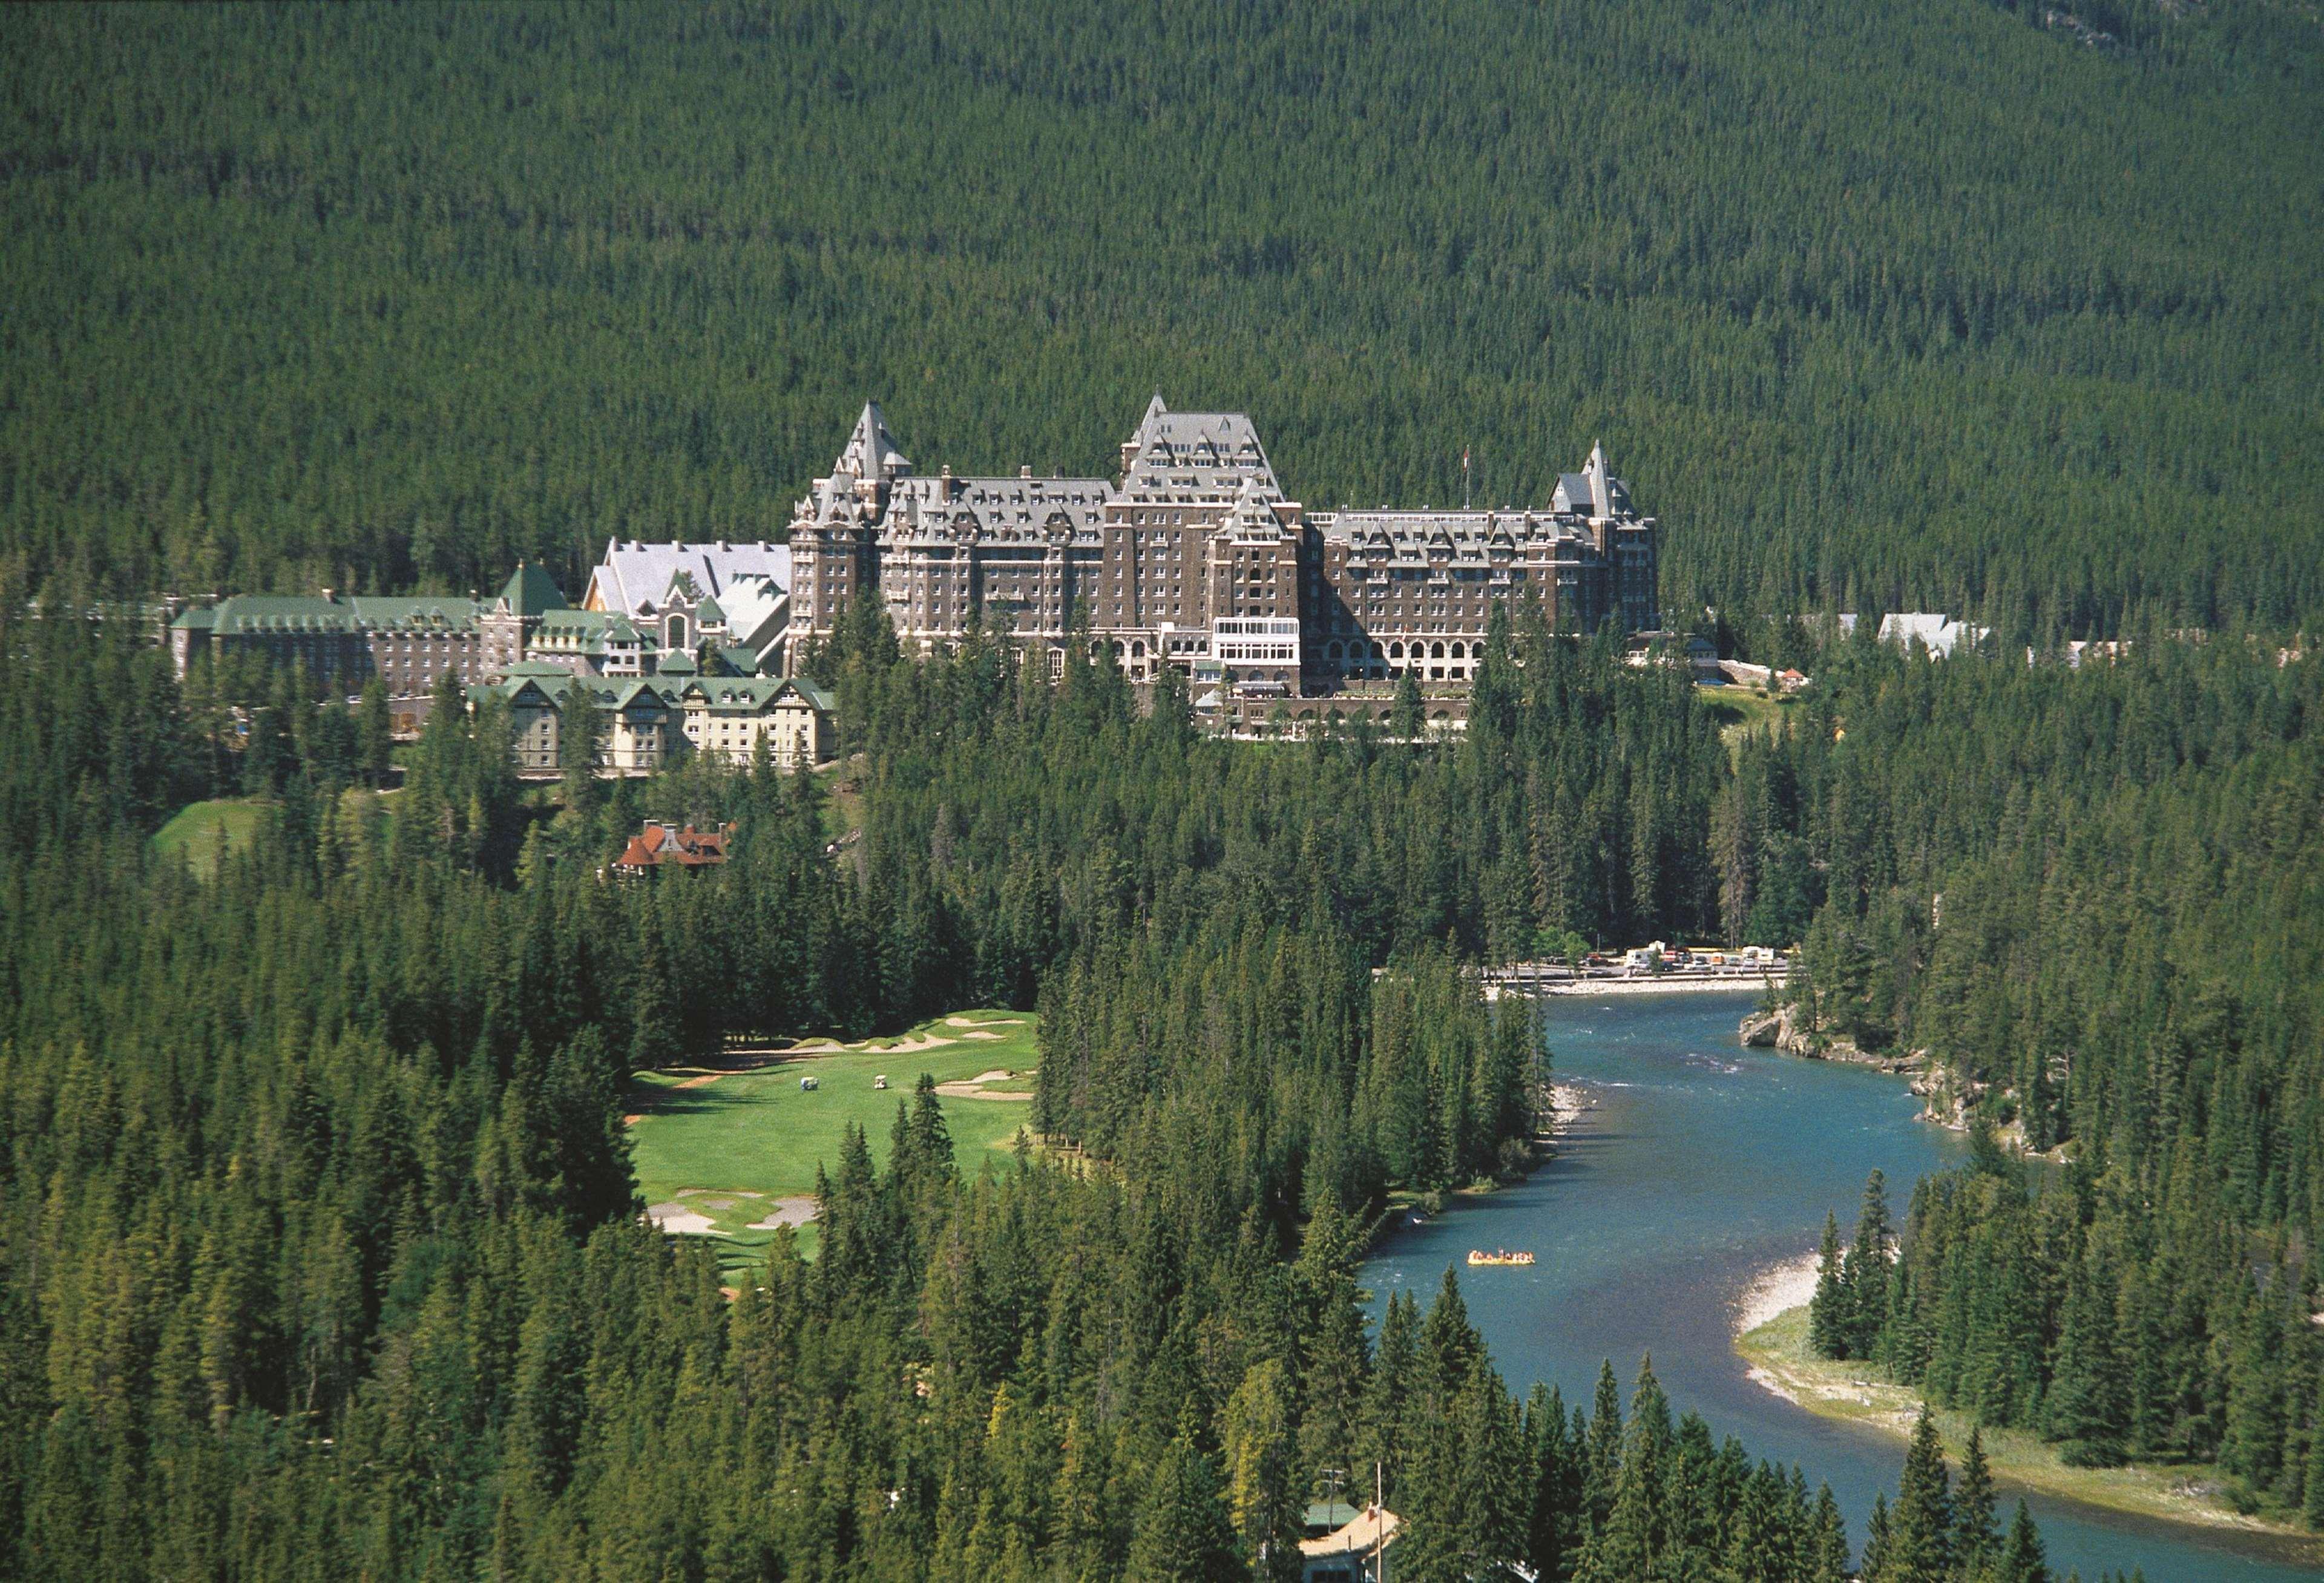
(1864, 1394)
(204, 833)
(1740, 712)
(730, 1147)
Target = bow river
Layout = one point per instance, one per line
(1698, 1167)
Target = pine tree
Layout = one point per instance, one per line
(1827, 1549)
(2089, 1391)
(1867, 1272)
(1827, 1320)
(1921, 1523)
(1877, 1530)
(1260, 1445)
(1182, 1533)
(2022, 1559)
(375, 733)
(1638, 1532)
(1602, 1462)
(1406, 716)
(655, 1040)
(2314, 1512)
(1976, 1539)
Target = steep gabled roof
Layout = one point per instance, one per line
(530, 591)
(635, 575)
(871, 451)
(1218, 451)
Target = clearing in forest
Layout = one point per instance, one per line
(203, 832)
(724, 1151)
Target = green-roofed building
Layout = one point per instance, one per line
(345, 640)
(527, 634)
(654, 721)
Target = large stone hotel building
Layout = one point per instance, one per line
(1196, 557)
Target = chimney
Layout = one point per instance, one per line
(327, 595)
(1026, 471)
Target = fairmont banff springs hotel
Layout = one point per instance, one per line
(1197, 558)
(1194, 557)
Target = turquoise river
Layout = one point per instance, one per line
(1700, 1165)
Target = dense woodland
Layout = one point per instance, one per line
(1879, 304)
(320, 1254)
(2097, 900)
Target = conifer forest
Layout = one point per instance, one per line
(322, 1254)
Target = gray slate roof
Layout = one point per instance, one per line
(634, 577)
(1195, 456)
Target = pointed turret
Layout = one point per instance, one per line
(872, 455)
(1136, 443)
(1602, 500)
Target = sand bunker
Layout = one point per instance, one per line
(678, 1221)
(998, 1022)
(973, 1088)
(786, 1211)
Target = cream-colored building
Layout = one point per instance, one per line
(725, 717)
(646, 723)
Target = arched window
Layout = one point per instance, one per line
(1436, 651)
(1458, 652)
(1395, 651)
(1331, 651)
(673, 631)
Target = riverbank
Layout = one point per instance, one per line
(1662, 984)
(1772, 1337)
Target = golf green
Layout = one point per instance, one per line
(731, 1154)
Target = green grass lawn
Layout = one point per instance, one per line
(728, 1149)
(203, 832)
(1740, 711)
(1864, 1394)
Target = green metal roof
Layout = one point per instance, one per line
(530, 591)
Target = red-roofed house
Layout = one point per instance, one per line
(661, 845)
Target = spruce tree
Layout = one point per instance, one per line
(1921, 1523)
(1827, 1320)
(1183, 1534)
(1976, 1538)
(2089, 1407)
(1406, 716)
(1827, 1547)
(2314, 1510)
(1877, 1530)
(1868, 1269)
(1603, 1456)
(2022, 1558)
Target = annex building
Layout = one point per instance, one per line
(1193, 555)
(646, 723)
(650, 610)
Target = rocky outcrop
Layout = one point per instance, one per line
(1781, 1029)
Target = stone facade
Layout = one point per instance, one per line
(344, 641)
(1197, 558)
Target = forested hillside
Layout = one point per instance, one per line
(320, 1255)
(2097, 900)
(1878, 303)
